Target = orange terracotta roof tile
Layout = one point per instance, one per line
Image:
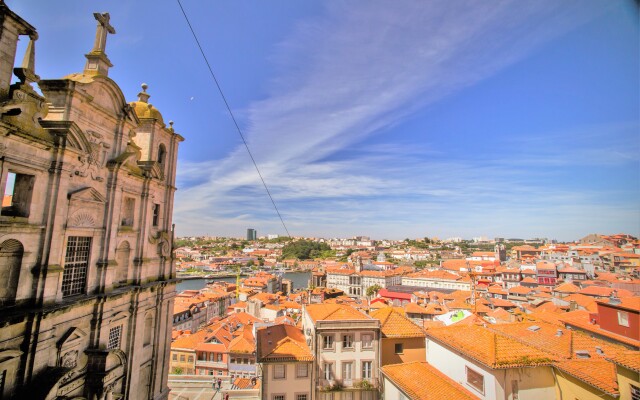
(245, 383)
(581, 319)
(603, 291)
(242, 318)
(489, 348)
(548, 306)
(244, 343)
(190, 342)
(334, 312)
(421, 381)
(545, 315)
(628, 303)
(426, 324)
(566, 288)
(598, 373)
(583, 301)
(500, 314)
(393, 324)
(629, 359)
(281, 343)
(520, 290)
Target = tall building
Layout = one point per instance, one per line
(252, 234)
(86, 271)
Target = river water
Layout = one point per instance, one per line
(300, 280)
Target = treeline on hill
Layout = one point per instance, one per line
(306, 249)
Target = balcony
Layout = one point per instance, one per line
(339, 384)
(242, 367)
(211, 364)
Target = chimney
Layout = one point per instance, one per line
(559, 333)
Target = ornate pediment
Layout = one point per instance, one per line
(71, 338)
(87, 194)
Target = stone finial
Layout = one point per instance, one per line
(104, 27)
(97, 61)
(171, 125)
(144, 96)
(27, 71)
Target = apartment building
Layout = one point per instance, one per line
(437, 279)
(354, 281)
(286, 362)
(345, 344)
(402, 340)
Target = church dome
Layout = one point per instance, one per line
(144, 109)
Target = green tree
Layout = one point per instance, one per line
(420, 264)
(373, 290)
(304, 249)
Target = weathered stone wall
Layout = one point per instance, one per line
(86, 160)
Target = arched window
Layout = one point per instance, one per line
(162, 154)
(11, 252)
(148, 330)
(123, 253)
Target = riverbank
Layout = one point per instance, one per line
(300, 280)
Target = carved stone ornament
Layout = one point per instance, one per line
(69, 359)
(162, 239)
(92, 163)
(83, 219)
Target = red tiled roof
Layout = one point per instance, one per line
(281, 343)
(421, 381)
(334, 312)
(493, 350)
(393, 324)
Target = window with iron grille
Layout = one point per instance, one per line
(76, 262)
(301, 397)
(115, 334)
(635, 392)
(278, 397)
(3, 375)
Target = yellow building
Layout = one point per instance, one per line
(402, 340)
(628, 374)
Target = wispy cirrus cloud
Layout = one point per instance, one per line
(356, 72)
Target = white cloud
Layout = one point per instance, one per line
(355, 72)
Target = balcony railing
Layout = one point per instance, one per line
(211, 364)
(242, 367)
(363, 384)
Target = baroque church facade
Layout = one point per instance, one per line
(86, 269)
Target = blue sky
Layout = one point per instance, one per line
(465, 118)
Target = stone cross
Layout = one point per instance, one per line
(101, 32)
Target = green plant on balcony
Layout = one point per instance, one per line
(364, 384)
(335, 387)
